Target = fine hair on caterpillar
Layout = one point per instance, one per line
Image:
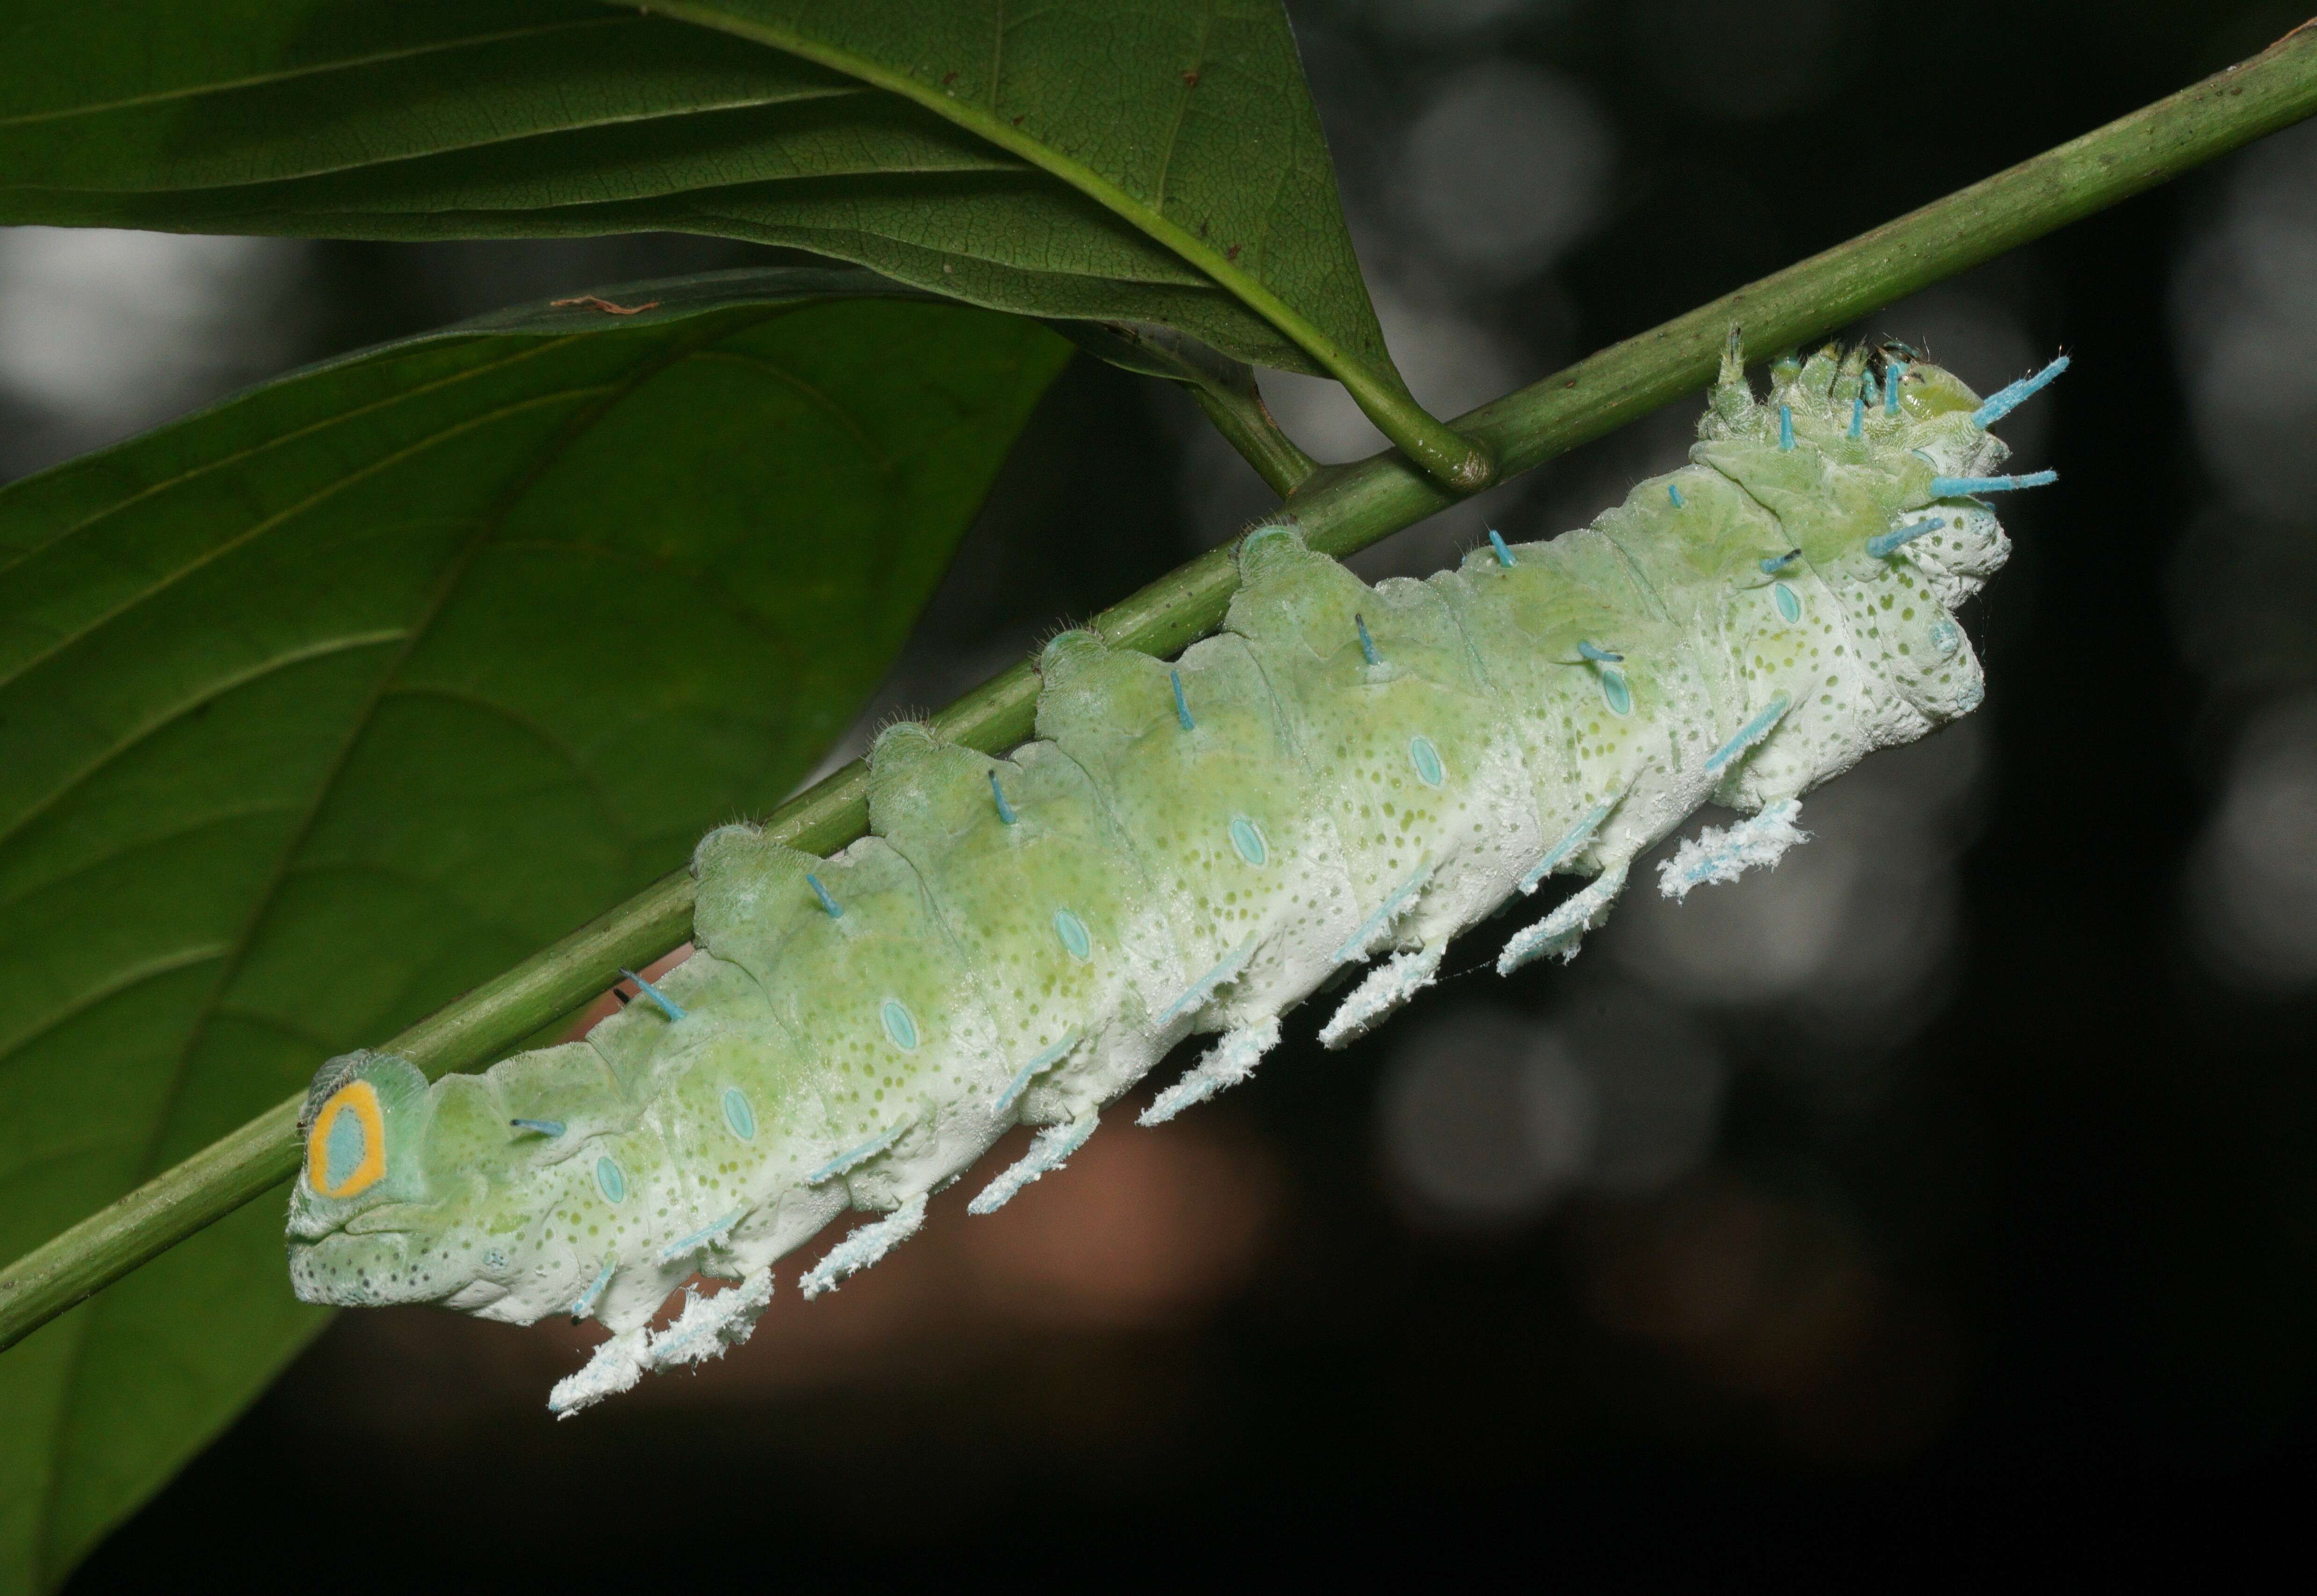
(1343, 778)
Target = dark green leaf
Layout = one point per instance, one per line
(1084, 159)
(321, 706)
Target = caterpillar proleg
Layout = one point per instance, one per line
(1342, 775)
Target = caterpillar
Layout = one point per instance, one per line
(1343, 776)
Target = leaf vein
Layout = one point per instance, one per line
(96, 863)
(515, 717)
(318, 69)
(281, 517)
(280, 439)
(820, 398)
(322, 648)
(137, 976)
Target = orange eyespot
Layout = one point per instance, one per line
(346, 1155)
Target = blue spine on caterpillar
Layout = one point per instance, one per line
(1343, 775)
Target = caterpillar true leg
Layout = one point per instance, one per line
(1031, 1071)
(711, 1235)
(1357, 946)
(585, 1307)
(1198, 994)
(1400, 977)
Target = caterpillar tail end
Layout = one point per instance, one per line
(1732, 371)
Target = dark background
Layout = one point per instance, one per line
(1947, 1197)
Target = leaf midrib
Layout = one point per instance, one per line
(265, 187)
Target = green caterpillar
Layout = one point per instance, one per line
(1343, 773)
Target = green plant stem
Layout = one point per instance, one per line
(1340, 510)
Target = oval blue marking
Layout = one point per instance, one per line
(1073, 933)
(612, 1181)
(1248, 840)
(1945, 639)
(1790, 607)
(900, 1024)
(1425, 758)
(1616, 693)
(738, 1115)
(342, 1153)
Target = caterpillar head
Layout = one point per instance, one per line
(364, 1135)
(417, 1194)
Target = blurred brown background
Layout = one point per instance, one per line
(1950, 1191)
